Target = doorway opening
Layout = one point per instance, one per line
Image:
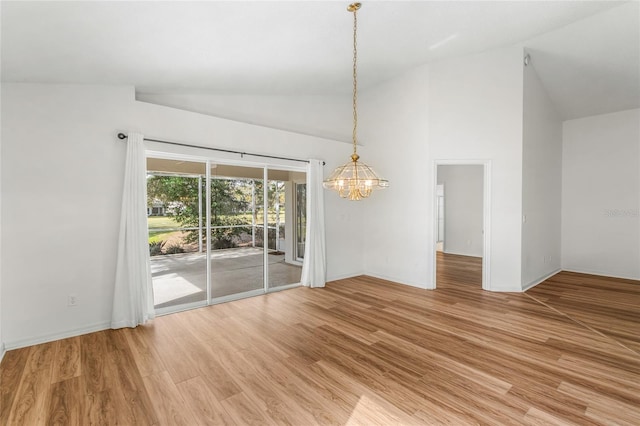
(461, 224)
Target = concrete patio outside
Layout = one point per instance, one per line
(182, 278)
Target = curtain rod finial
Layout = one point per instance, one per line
(122, 136)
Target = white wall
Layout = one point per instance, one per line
(475, 113)
(62, 168)
(463, 194)
(322, 116)
(393, 126)
(461, 109)
(541, 182)
(61, 176)
(1, 314)
(1, 339)
(601, 194)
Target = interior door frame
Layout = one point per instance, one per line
(486, 217)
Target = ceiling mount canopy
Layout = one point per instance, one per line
(355, 180)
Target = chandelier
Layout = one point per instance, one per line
(354, 180)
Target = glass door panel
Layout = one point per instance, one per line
(284, 269)
(301, 219)
(236, 240)
(175, 209)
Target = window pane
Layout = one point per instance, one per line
(284, 267)
(237, 259)
(175, 209)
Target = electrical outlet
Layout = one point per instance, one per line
(72, 300)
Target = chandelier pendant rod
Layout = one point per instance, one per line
(355, 8)
(355, 180)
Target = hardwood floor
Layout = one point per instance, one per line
(610, 307)
(362, 351)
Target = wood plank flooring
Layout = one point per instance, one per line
(362, 351)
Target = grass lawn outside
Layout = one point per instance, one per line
(159, 222)
(158, 225)
(163, 222)
(155, 236)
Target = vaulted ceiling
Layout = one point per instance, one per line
(587, 53)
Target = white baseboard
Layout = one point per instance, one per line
(343, 276)
(505, 290)
(2, 351)
(395, 280)
(540, 280)
(30, 341)
(601, 274)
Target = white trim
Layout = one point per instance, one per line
(284, 287)
(200, 236)
(540, 280)
(167, 310)
(272, 164)
(170, 174)
(422, 286)
(265, 229)
(207, 219)
(30, 341)
(345, 276)
(486, 219)
(237, 296)
(506, 290)
(167, 155)
(2, 351)
(486, 249)
(600, 274)
(164, 155)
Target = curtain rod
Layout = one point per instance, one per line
(242, 154)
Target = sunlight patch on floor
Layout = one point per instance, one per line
(172, 287)
(369, 412)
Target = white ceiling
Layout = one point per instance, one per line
(280, 48)
(592, 66)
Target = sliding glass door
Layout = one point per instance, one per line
(284, 268)
(300, 225)
(175, 218)
(221, 231)
(237, 237)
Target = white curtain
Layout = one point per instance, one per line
(314, 267)
(133, 294)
